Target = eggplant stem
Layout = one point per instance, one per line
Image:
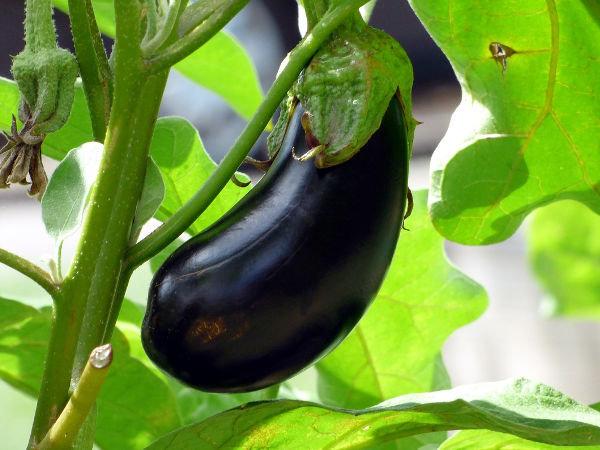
(309, 154)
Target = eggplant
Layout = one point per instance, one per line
(285, 275)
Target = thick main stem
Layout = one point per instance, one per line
(54, 390)
(101, 303)
(89, 287)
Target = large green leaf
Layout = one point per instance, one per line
(221, 65)
(24, 335)
(522, 137)
(179, 153)
(76, 131)
(564, 248)
(135, 406)
(395, 348)
(489, 440)
(521, 407)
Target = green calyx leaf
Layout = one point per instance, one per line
(346, 89)
(277, 135)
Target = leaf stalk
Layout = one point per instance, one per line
(32, 271)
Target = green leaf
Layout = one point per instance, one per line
(179, 153)
(9, 102)
(395, 349)
(24, 335)
(131, 313)
(195, 406)
(564, 248)
(522, 137)
(135, 405)
(521, 407)
(221, 65)
(483, 439)
(152, 196)
(68, 190)
(76, 131)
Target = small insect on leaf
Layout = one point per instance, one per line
(501, 53)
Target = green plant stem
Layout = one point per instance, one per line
(31, 271)
(93, 65)
(54, 390)
(314, 9)
(166, 29)
(89, 287)
(63, 433)
(298, 59)
(39, 26)
(198, 12)
(151, 17)
(128, 152)
(185, 46)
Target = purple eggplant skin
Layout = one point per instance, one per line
(285, 275)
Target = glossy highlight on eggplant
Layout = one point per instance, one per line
(286, 274)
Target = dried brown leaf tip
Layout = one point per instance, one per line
(22, 156)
